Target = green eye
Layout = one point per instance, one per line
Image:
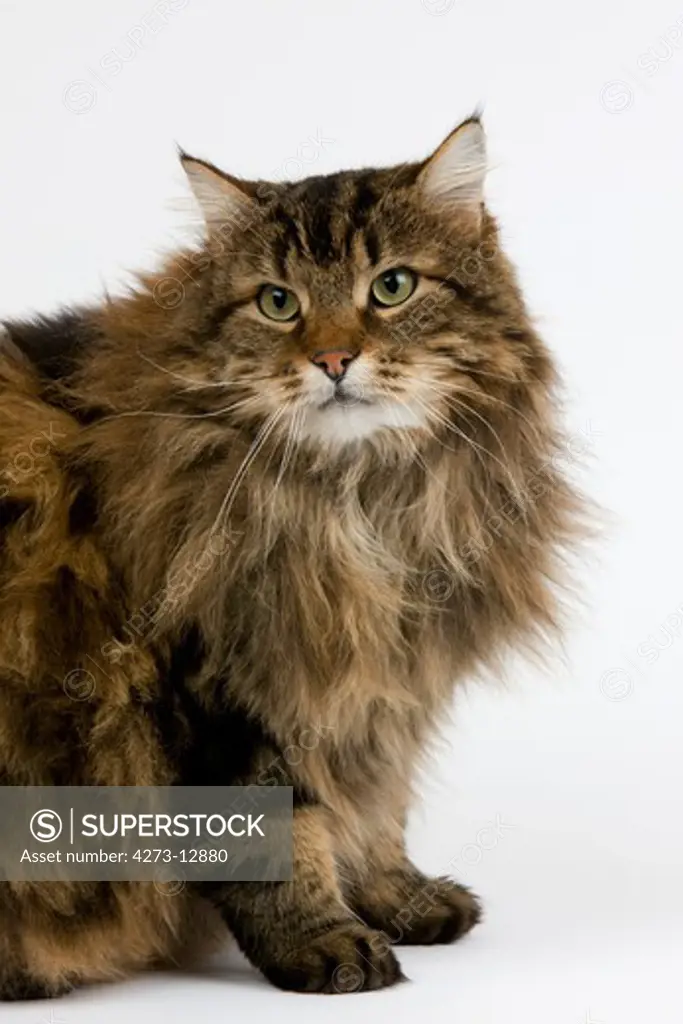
(393, 286)
(278, 303)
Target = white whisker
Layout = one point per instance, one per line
(258, 443)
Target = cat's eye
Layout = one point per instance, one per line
(278, 303)
(393, 286)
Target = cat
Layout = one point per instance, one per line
(258, 518)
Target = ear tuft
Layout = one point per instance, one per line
(221, 197)
(454, 174)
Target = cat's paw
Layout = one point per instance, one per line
(444, 912)
(19, 987)
(349, 958)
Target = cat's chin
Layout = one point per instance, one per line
(339, 424)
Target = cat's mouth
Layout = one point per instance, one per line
(348, 410)
(346, 397)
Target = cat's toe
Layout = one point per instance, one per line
(347, 959)
(452, 911)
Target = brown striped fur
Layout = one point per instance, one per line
(194, 587)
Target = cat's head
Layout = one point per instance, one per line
(353, 305)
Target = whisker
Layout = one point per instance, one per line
(420, 459)
(475, 445)
(193, 381)
(290, 445)
(452, 402)
(484, 397)
(237, 405)
(199, 384)
(256, 446)
(179, 415)
(469, 369)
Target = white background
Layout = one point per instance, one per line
(578, 762)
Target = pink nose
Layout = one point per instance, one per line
(334, 363)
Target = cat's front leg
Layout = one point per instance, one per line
(301, 934)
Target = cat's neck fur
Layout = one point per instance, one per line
(295, 573)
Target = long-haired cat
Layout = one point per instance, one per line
(256, 521)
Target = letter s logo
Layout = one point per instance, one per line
(46, 826)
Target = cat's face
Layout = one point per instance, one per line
(362, 302)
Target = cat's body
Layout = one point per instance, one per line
(218, 572)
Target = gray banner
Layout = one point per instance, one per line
(166, 834)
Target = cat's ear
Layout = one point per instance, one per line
(221, 197)
(454, 175)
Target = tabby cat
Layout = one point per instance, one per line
(257, 519)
